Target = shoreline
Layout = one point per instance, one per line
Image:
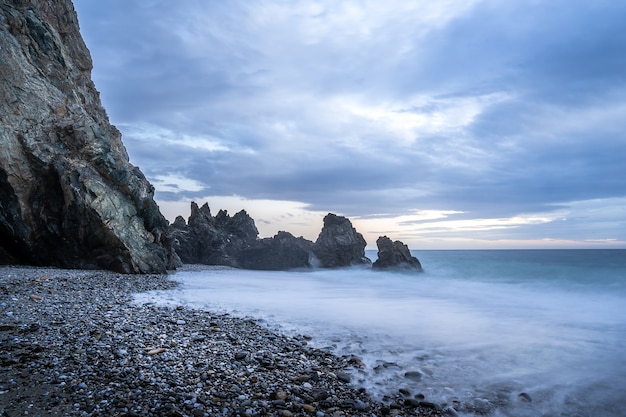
(73, 343)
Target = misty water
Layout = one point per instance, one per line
(480, 327)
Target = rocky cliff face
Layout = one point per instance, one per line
(68, 195)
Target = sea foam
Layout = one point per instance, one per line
(478, 327)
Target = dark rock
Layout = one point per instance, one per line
(339, 244)
(524, 397)
(69, 196)
(428, 404)
(210, 240)
(281, 252)
(344, 377)
(319, 394)
(412, 402)
(414, 375)
(395, 256)
(222, 240)
(359, 405)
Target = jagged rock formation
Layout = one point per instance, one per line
(281, 252)
(395, 256)
(233, 241)
(210, 240)
(339, 244)
(68, 195)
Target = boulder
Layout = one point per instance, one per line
(210, 240)
(281, 252)
(395, 256)
(339, 244)
(69, 196)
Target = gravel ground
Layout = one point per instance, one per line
(73, 344)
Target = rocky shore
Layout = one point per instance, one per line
(72, 343)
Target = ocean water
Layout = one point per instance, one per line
(479, 327)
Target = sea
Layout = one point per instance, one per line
(502, 332)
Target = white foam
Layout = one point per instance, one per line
(469, 338)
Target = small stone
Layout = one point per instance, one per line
(405, 392)
(281, 395)
(412, 402)
(286, 413)
(239, 356)
(356, 361)
(482, 405)
(359, 405)
(428, 404)
(344, 377)
(34, 297)
(308, 408)
(525, 397)
(451, 412)
(181, 322)
(319, 394)
(156, 351)
(414, 375)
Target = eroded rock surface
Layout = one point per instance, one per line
(339, 244)
(213, 240)
(281, 252)
(395, 256)
(68, 195)
(233, 241)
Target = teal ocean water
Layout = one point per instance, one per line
(480, 327)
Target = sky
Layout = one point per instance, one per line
(450, 124)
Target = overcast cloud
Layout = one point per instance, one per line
(443, 123)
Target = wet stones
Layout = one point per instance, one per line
(413, 375)
(95, 353)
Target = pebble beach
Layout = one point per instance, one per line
(73, 343)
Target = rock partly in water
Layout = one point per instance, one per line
(339, 244)
(232, 241)
(395, 256)
(210, 240)
(281, 252)
(69, 196)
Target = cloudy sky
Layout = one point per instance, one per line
(445, 124)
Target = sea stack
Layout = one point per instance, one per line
(339, 244)
(395, 256)
(69, 196)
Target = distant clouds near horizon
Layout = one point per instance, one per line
(448, 124)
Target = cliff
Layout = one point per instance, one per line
(69, 196)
